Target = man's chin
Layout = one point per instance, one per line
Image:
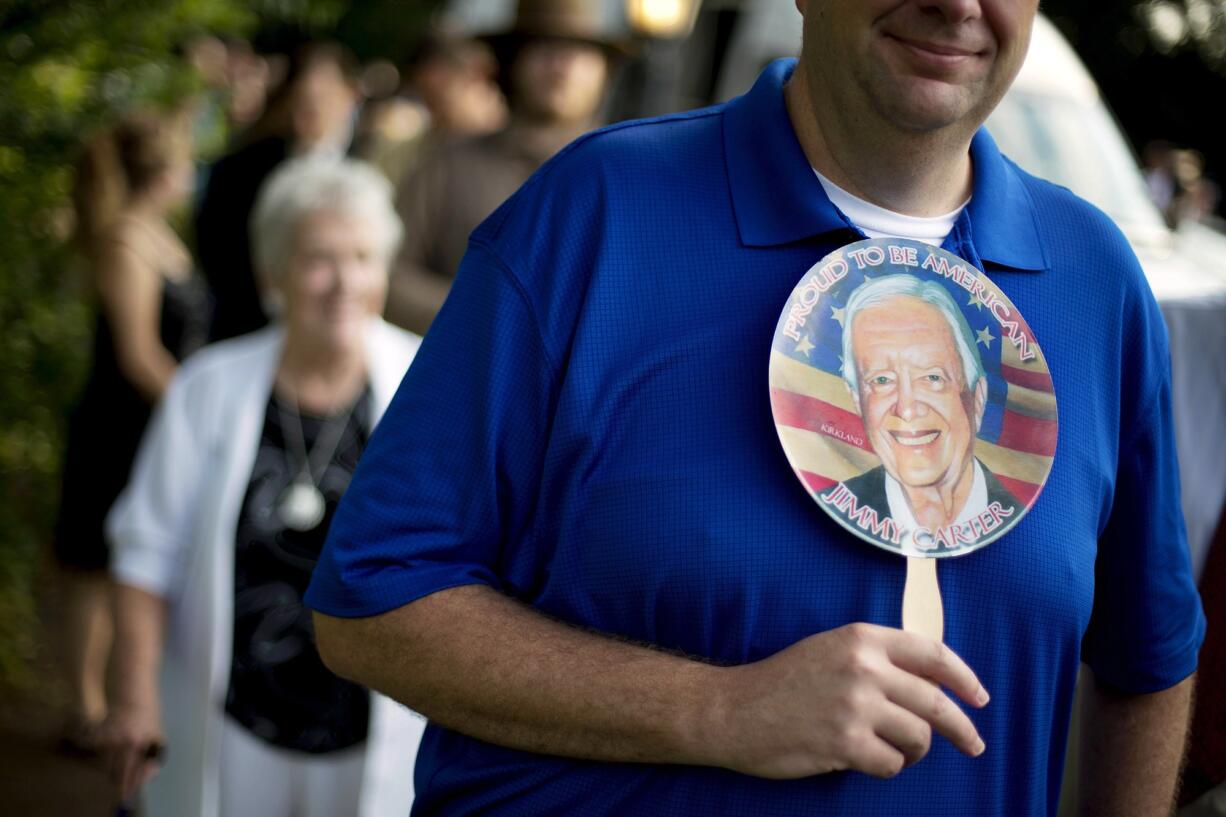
(923, 105)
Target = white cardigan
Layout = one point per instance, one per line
(172, 534)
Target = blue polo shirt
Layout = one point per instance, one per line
(588, 428)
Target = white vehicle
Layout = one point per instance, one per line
(1054, 124)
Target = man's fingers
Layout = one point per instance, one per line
(876, 757)
(931, 659)
(926, 700)
(908, 733)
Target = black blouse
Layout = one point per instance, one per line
(280, 689)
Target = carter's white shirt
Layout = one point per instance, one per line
(900, 509)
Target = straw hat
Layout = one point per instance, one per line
(575, 20)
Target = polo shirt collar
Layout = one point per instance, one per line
(776, 195)
(778, 199)
(1002, 219)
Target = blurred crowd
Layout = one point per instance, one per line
(239, 367)
(1177, 184)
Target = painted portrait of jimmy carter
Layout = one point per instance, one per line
(919, 386)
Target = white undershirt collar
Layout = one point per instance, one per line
(878, 222)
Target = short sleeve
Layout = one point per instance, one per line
(150, 524)
(1147, 625)
(451, 474)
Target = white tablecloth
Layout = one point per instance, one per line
(1197, 328)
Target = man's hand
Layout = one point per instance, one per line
(860, 697)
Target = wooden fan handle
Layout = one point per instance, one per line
(922, 611)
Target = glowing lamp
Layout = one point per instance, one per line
(662, 19)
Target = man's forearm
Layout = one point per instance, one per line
(860, 696)
(560, 690)
(1131, 750)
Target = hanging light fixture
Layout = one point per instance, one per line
(662, 19)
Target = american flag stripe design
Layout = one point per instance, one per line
(826, 443)
(1039, 381)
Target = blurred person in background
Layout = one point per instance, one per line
(455, 77)
(235, 83)
(208, 57)
(311, 113)
(386, 118)
(249, 77)
(1158, 167)
(152, 312)
(1196, 196)
(555, 66)
(454, 94)
(1175, 178)
(219, 530)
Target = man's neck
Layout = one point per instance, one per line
(917, 174)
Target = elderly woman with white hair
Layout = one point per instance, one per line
(217, 534)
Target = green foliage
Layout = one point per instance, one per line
(67, 68)
(387, 29)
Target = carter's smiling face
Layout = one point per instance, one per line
(918, 411)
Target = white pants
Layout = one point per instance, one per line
(262, 780)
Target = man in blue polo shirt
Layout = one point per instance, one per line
(576, 545)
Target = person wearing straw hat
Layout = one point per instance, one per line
(577, 546)
(555, 62)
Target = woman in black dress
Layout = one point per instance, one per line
(152, 312)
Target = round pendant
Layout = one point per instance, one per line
(301, 507)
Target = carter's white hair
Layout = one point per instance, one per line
(300, 187)
(880, 290)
